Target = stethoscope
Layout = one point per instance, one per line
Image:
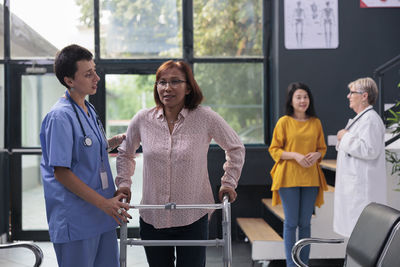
(87, 141)
(354, 121)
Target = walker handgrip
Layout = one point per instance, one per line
(225, 197)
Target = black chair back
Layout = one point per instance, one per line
(391, 252)
(370, 235)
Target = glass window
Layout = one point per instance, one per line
(2, 108)
(35, 35)
(39, 94)
(2, 32)
(125, 96)
(33, 205)
(138, 29)
(235, 91)
(225, 28)
(137, 182)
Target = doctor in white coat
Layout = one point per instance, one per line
(360, 171)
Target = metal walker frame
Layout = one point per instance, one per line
(225, 242)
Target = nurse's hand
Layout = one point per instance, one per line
(115, 141)
(117, 209)
(126, 191)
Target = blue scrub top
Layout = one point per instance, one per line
(69, 217)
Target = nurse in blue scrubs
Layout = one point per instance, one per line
(82, 211)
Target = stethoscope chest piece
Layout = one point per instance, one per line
(87, 141)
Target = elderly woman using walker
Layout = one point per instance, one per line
(175, 136)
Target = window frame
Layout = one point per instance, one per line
(12, 93)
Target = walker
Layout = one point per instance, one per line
(225, 242)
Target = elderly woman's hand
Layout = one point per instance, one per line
(227, 190)
(124, 191)
(115, 141)
(340, 134)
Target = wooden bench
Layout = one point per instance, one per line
(266, 244)
(256, 229)
(277, 209)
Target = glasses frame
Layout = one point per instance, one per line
(355, 92)
(172, 83)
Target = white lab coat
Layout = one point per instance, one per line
(360, 170)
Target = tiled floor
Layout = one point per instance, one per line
(21, 257)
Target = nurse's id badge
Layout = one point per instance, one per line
(104, 178)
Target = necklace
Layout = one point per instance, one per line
(172, 121)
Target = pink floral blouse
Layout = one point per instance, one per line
(175, 165)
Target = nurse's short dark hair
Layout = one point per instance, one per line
(65, 61)
(293, 87)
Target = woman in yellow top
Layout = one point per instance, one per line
(297, 146)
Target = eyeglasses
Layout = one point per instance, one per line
(172, 83)
(355, 92)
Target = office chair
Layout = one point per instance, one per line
(375, 240)
(35, 249)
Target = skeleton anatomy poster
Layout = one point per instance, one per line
(311, 24)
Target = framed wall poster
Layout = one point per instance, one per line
(311, 24)
(379, 3)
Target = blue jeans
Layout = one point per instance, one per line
(188, 256)
(298, 206)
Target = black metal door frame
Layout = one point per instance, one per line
(16, 151)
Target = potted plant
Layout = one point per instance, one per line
(393, 124)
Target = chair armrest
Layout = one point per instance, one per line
(307, 241)
(35, 249)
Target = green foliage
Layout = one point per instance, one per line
(153, 28)
(392, 158)
(234, 91)
(87, 9)
(142, 28)
(394, 124)
(227, 28)
(126, 95)
(394, 120)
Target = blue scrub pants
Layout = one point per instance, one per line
(188, 256)
(298, 206)
(99, 251)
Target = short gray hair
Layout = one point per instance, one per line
(367, 85)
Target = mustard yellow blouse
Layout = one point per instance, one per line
(291, 135)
